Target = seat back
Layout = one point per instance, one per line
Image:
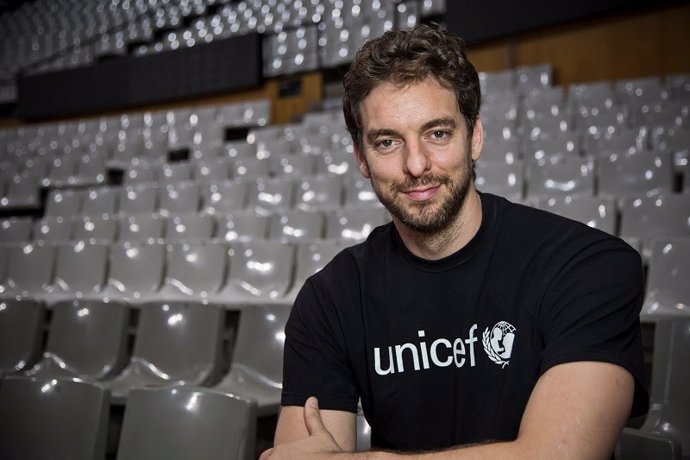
(138, 199)
(80, 268)
(15, 229)
(652, 217)
(183, 423)
(136, 270)
(189, 227)
(259, 270)
(56, 229)
(87, 339)
(21, 334)
(596, 212)
(670, 394)
(63, 203)
(194, 269)
(95, 229)
(311, 257)
(501, 178)
(98, 201)
(52, 418)
(354, 224)
(242, 226)
(296, 225)
(29, 269)
(559, 176)
(271, 195)
(179, 197)
(223, 197)
(319, 192)
(181, 340)
(141, 227)
(261, 339)
(638, 175)
(667, 290)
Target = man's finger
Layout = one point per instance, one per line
(312, 416)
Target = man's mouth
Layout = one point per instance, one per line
(422, 193)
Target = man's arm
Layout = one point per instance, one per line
(576, 410)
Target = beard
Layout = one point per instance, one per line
(427, 216)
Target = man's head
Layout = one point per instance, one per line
(400, 58)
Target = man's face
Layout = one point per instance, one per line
(417, 152)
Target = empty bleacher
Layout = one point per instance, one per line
(155, 257)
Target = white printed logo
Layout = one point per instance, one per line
(498, 342)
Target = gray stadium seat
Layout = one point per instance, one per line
(256, 371)
(15, 229)
(269, 195)
(179, 197)
(242, 226)
(311, 257)
(638, 175)
(293, 165)
(96, 229)
(80, 271)
(669, 392)
(667, 291)
(23, 192)
(194, 271)
(559, 176)
(52, 418)
(319, 192)
(138, 199)
(54, 230)
(21, 334)
(141, 227)
(141, 173)
(212, 170)
(296, 225)
(359, 191)
(98, 201)
(181, 423)
(189, 227)
(86, 339)
(135, 271)
(259, 272)
(501, 178)
(594, 211)
(29, 270)
(353, 224)
(171, 173)
(63, 203)
(177, 343)
(647, 218)
(223, 197)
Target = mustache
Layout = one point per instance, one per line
(427, 179)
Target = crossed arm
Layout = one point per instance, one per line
(576, 410)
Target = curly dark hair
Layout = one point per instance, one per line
(403, 57)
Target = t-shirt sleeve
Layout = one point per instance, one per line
(315, 360)
(590, 312)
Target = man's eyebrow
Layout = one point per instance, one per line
(444, 122)
(373, 134)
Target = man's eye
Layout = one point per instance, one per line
(439, 134)
(385, 143)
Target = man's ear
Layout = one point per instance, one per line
(477, 139)
(362, 162)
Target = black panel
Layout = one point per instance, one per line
(231, 64)
(491, 19)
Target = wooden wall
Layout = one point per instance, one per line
(645, 43)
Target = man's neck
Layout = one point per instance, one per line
(450, 240)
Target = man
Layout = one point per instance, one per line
(469, 326)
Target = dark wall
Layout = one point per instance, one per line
(477, 22)
(232, 64)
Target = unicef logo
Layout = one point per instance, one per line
(498, 342)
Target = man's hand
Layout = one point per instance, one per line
(319, 445)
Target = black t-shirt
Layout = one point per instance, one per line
(447, 352)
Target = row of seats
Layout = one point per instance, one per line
(174, 343)
(344, 224)
(189, 421)
(234, 274)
